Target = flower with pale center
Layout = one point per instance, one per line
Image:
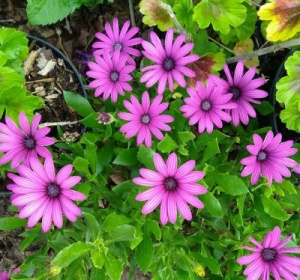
(270, 258)
(21, 144)
(171, 187)
(145, 119)
(41, 194)
(269, 158)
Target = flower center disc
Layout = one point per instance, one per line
(206, 106)
(170, 184)
(268, 254)
(236, 92)
(29, 143)
(114, 76)
(118, 46)
(169, 64)
(145, 119)
(262, 156)
(53, 190)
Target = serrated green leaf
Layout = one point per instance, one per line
(145, 156)
(167, 145)
(185, 136)
(127, 157)
(114, 220)
(122, 233)
(113, 267)
(97, 258)
(221, 14)
(81, 165)
(42, 12)
(231, 184)
(10, 223)
(71, 253)
(212, 205)
(290, 115)
(80, 104)
(144, 253)
(9, 78)
(184, 11)
(273, 208)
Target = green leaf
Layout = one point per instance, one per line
(212, 205)
(90, 153)
(167, 145)
(80, 104)
(81, 165)
(114, 267)
(70, 253)
(97, 258)
(127, 157)
(114, 220)
(184, 11)
(124, 187)
(231, 184)
(153, 226)
(211, 150)
(122, 233)
(42, 12)
(273, 208)
(9, 78)
(10, 223)
(92, 225)
(145, 156)
(221, 14)
(144, 253)
(185, 136)
(290, 115)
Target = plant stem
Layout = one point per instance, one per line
(56, 123)
(263, 51)
(46, 80)
(131, 13)
(227, 49)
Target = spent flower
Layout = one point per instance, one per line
(171, 187)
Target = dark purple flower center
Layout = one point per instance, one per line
(145, 119)
(268, 254)
(170, 184)
(103, 117)
(53, 190)
(169, 64)
(114, 76)
(236, 92)
(206, 106)
(118, 46)
(262, 156)
(29, 143)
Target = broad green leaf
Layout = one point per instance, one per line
(90, 153)
(145, 156)
(185, 136)
(81, 165)
(122, 233)
(113, 267)
(155, 14)
(80, 104)
(127, 157)
(211, 150)
(212, 204)
(231, 184)
(97, 258)
(272, 207)
(184, 11)
(10, 223)
(70, 253)
(167, 145)
(114, 220)
(153, 227)
(289, 85)
(287, 186)
(92, 225)
(42, 12)
(202, 44)
(3, 58)
(124, 187)
(290, 115)
(144, 253)
(10, 78)
(285, 19)
(211, 263)
(221, 14)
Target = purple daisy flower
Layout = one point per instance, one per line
(206, 106)
(5, 276)
(172, 188)
(269, 158)
(169, 61)
(111, 75)
(40, 193)
(245, 91)
(19, 145)
(270, 258)
(145, 119)
(122, 41)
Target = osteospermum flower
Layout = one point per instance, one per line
(269, 258)
(170, 61)
(122, 41)
(171, 187)
(5, 275)
(41, 194)
(206, 106)
(21, 144)
(111, 75)
(269, 158)
(244, 90)
(145, 119)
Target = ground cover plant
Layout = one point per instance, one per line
(175, 174)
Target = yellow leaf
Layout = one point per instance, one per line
(245, 47)
(285, 19)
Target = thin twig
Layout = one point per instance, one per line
(46, 80)
(274, 48)
(56, 123)
(131, 13)
(220, 44)
(7, 20)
